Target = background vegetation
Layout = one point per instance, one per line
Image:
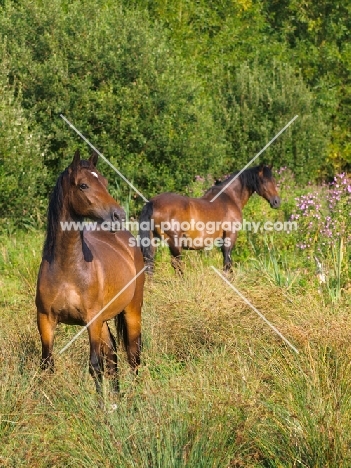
(168, 90)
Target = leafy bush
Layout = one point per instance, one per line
(114, 76)
(165, 94)
(21, 160)
(259, 100)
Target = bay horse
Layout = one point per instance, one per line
(197, 223)
(88, 277)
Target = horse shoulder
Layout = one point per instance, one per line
(122, 248)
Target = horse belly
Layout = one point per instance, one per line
(118, 302)
(198, 240)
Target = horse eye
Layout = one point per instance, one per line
(83, 186)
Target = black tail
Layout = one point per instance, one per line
(121, 327)
(145, 235)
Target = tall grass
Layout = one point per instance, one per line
(334, 284)
(273, 264)
(217, 388)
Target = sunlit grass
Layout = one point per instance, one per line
(217, 387)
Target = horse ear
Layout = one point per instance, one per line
(76, 159)
(260, 169)
(93, 158)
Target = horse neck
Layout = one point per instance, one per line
(238, 193)
(67, 243)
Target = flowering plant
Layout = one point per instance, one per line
(323, 216)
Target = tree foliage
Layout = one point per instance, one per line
(171, 89)
(21, 158)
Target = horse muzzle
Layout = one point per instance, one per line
(118, 219)
(274, 202)
(118, 215)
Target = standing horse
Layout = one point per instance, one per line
(197, 223)
(83, 271)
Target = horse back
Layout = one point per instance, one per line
(172, 206)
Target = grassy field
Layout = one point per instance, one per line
(217, 387)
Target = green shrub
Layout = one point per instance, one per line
(21, 160)
(114, 75)
(257, 101)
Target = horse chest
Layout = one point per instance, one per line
(67, 304)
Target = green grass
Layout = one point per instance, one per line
(217, 388)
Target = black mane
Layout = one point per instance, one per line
(53, 216)
(54, 213)
(248, 178)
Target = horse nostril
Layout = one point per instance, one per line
(118, 216)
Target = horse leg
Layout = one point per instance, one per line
(227, 247)
(96, 365)
(46, 329)
(149, 256)
(129, 327)
(108, 347)
(146, 236)
(132, 319)
(176, 255)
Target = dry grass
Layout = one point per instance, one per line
(217, 387)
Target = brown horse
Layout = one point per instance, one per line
(198, 223)
(88, 277)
